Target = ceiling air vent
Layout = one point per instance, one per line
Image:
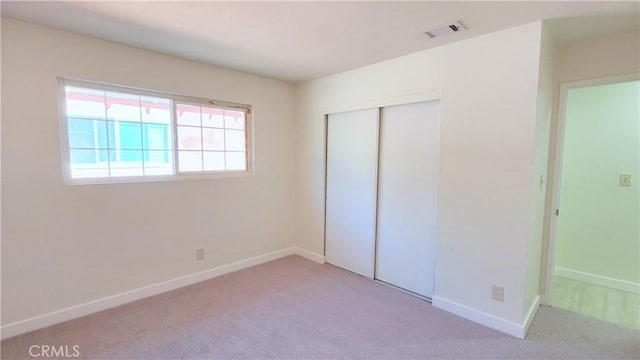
(446, 30)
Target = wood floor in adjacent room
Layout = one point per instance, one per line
(295, 308)
(603, 303)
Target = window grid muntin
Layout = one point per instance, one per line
(145, 151)
(224, 128)
(114, 153)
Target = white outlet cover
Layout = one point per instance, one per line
(625, 180)
(497, 293)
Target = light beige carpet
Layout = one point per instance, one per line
(294, 308)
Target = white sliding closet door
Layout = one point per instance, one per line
(409, 143)
(352, 168)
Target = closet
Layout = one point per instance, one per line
(381, 190)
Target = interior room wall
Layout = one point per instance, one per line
(598, 232)
(611, 55)
(66, 245)
(489, 90)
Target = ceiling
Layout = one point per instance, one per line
(296, 41)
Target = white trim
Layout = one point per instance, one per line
(612, 283)
(55, 317)
(194, 100)
(533, 310)
(431, 95)
(156, 178)
(557, 170)
(488, 320)
(555, 195)
(376, 193)
(309, 255)
(615, 79)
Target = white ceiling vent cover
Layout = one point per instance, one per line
(446, 30)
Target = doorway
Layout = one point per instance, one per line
(595, 236)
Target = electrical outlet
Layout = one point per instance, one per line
(497, 293)
(199, 254)
(625, 180)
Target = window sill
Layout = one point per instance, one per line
(159, 178)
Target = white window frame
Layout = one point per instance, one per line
(177, 175)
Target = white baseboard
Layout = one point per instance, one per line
(91, 307)
(612, 283)
(310, 255)
(496, 323)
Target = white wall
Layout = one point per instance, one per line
(66, 245)
(489, 89)
(605, 56)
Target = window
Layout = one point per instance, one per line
(124, 134)
(210, 138)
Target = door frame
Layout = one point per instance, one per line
(557, 170)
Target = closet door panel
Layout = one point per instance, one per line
(409, 143)
(352, 166)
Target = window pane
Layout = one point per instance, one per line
(103, 156)
(119, 172)
(101, 133)
(111, 137)
(123, 107)
(189, 138)
(115, 132)
(212, 117)
(87, 170)
(188, 114)
(79, 156)
(213, 161)
(84, 133)
(85, 103)
(125, 135)
(129, 163)
(158, 162)
(158, 171)
(236, 161)
(190, 160)
(156, 110)
(233, 119)
(130, 158)
(235, 140)
(213, 139)
(156, 137)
